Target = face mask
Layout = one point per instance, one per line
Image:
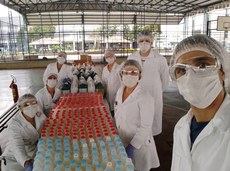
(52, 83)
(31, 110)
(109, 60)
(130, 80)
(61, 60)
(199, 90)
(144, 47)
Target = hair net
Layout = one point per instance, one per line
(47, 75)
(24, 98)
(110, 53)
(131, 62)
(62, 53)
(206, 44)
(145, 33)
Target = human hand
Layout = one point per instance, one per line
(129, 150)
(28, 165)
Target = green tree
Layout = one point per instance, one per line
(130, 32)
(38, 32)
(106, 31)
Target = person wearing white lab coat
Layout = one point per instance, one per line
(49, 95)
(60, 68)
(134, 110)
(202, 136)
(110, 78)
(23, 131)
(155, 75)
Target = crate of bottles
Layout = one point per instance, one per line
(80, 137)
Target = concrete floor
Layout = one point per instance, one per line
(30, 81)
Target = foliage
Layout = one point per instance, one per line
(106, 31)
(38, 32)
(55, 48)
(130, 32)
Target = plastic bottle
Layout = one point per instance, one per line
(129, 165)
(78, 168)
(82, 84)
(109, 166)
(88, 168)
(67, 168)
(91, 85)
(99, 167)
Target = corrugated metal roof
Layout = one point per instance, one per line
(143, 12)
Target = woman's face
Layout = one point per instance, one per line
(130, 76)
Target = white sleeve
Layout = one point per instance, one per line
(18, 146)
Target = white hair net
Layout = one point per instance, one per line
(206, 44)
(110, 53)
(131, 62)
(145, 33)
(24, 98)
(48, 75)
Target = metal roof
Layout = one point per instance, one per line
(143, 12)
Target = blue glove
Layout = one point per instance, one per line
(28, 166)
(129, 150)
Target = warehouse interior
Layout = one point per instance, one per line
(34, 31)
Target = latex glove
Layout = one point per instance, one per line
(129, 150)
(28, 166)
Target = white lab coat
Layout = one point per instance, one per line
(211, 149)
(111, 82)
(22, 143)
(155, 79)
(65, 72)
(134, 119)
(46, 101)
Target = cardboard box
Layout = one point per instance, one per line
(85, 58)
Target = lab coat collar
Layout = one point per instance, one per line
(220, 121)
(132, 95)
(113, 67)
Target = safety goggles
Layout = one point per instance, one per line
(131, 72)
(180, 69)
(29, 103)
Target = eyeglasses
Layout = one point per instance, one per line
(132, 72)
(180, 69)
(28, 103)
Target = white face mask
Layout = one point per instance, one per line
(61, 60)
(52, 83)
(130, 80)
(144, 46)
(199, 90)
(31, 110)
(109, 60)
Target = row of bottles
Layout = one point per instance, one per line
(80, 100)
(80, 137)
(81, 123)
(62, 152)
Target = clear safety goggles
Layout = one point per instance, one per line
(131, 72)
(29, 103)
(180, 69)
